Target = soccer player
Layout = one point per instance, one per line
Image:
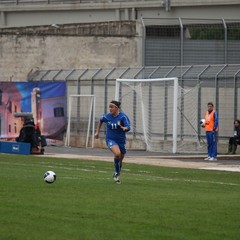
(117, 124)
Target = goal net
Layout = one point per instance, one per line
(81, 116)
(163, 115)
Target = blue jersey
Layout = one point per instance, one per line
(114, 132)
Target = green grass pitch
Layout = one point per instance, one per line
(84, 203)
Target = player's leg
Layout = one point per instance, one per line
(121, 157)
(117, 158)
(230, 144)
(123, 152)
(208, 145)
(213, 146)
(113, 146)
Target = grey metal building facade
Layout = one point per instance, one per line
(191, 41)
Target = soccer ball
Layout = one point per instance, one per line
(202, 122)
(49, 177)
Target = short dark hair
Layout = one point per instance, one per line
(210, 103)
(236, 120)
(116, 103)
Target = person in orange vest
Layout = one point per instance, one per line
(211, 128)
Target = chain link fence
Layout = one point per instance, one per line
(217, 83)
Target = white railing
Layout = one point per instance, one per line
(161, 2)
(18, 2)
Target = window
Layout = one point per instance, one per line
(9, 106)
(58, 112)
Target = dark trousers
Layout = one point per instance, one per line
(234, 141)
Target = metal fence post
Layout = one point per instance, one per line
(225, 42)
(181, 44)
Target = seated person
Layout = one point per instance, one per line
(235, 139)
(39, 136)
(28, 134)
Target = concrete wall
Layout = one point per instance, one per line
(103, 45)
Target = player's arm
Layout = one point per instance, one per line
(98, 129)
(125, 129)
(125, 126)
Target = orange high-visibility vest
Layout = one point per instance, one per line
(209, 121)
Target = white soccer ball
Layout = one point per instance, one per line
(202, 122)
(49, 177)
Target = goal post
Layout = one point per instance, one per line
(146, 98)
(81, 121)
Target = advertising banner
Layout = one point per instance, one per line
(44, 102)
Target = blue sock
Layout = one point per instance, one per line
(120, 165)
(117, 165)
